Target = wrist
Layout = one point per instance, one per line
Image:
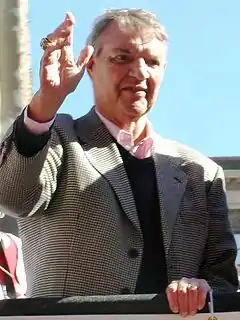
(43, 109)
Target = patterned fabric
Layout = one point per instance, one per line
(78, 220)
(141, 150)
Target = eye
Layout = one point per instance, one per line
(121, 58)
(153, 62)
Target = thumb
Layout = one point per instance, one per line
(85, 56)
(83, 60)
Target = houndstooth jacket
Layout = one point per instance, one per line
(77, 217)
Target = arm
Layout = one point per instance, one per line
(218, 267)
(29, 167)
(30, 163)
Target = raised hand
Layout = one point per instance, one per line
(59, 72)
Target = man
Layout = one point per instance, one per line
(105, 205)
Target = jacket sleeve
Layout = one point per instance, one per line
(29, 169)
(218, 267)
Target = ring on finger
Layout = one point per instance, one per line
(193, 287)
(45, 42)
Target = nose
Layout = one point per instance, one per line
(139, 69)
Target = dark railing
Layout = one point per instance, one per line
(127, 304)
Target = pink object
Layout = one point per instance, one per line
(11, 263)
(36, 127)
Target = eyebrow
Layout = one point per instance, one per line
(122, 50)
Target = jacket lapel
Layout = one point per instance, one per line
(171, 182)
(103, 154)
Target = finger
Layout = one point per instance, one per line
(69, 21)
(172, 296)
(70, 17)
(85, 56)
(83, 59)
(67, 56)
(203, 290)
(62, 35)
(58, 40)
(50, 58)
(49, 66)
(193, 296)
(183, 296)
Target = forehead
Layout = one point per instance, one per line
(115, 38)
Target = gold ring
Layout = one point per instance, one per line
(193, 287)
(45, 42)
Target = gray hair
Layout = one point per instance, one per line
(133, 18)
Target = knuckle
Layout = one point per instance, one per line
(183, 285)
(193, 288)
(184, 281)
(182, 291)
(173, 286)
(203, 281)
(170, 290)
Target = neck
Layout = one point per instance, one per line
(137, 127)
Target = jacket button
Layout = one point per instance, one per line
(125, 291)
(133, 253)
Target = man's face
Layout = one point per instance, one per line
(127, 73)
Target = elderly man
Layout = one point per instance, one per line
(104, 204)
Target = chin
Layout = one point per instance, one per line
(134, 109)
(138, 108)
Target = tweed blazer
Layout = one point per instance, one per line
(78, 220)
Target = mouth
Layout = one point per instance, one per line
(136, 90)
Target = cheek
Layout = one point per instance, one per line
(118, 75)
(109, 81)
(154, 85)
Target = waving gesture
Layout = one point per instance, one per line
(60, 73)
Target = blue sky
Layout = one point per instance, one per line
(199, 102)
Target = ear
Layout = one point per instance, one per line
(90, 67)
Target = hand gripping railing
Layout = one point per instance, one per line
(107, 305)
